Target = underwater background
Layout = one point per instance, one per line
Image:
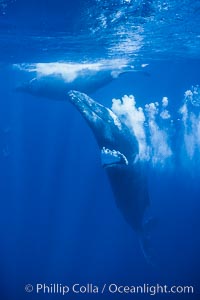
(58, 219)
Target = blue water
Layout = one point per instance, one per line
(58, 218)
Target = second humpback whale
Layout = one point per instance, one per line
(52, 80)
(54, 86)
(119, 157)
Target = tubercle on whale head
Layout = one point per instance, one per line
(90, 108)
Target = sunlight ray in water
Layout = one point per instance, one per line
(132, 69)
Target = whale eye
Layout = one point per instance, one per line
(111, 158)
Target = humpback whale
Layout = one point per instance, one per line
(55, 87)
(119, 157)
(52, 80)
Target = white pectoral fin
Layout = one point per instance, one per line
(112, 158)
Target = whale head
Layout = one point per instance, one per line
(118, 145)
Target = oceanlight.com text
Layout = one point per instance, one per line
(111, 288)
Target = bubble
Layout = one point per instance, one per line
(193, 95)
